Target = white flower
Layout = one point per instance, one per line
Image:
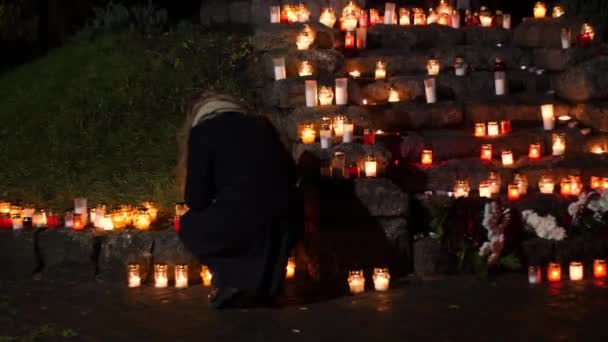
(544, 227)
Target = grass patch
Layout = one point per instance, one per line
(99, 118)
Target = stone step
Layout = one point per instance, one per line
(545, 33)
(281, 37)
(541, 252)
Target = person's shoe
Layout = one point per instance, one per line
(222, 297)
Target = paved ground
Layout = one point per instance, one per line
(453, 309)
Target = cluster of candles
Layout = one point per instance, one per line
(324, 95)
(492, 128)
(540, 10)
(337, 167)
(356, 280)
(161, 276)
(339, 126)
(576, 271)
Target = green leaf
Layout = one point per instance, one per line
(510, 262)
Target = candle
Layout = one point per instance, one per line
(305, 38)
(540, 10)
(534, 151)
(328, 17)
(433, 66)
(381, 279)
(181, 276)
(576, 271)
(558, 11)
(599, 269)
(427, 157)
(586, 36)
(513, 193)
(341, 91)
(363, 19)
(39, 219)
(142, 220)
(595, 183)
(404, 17)
(493, 129)
(326, 96)
(605, 183)
(547, 112)
(5, 221)
(349, 22)
(505, 126)
(305, 69)
(349, 40)
(445, 19)
(430, 90)
(355, 73)
(371, 167)
(338, 164)
(554, 272)
(311, 93)
(500, 83)
(480, 129)
(393, 95)
(455, 19)
(566, 187)
(460, 67)
(546, 185)
(206, 276)
(338, 125)
(495, 183)
(374, 17)
(461, 188)
(380, 70)
(81, 207)
(275, 14)
(361, 38)
(349, 128)
(521, 181)
(77, 222)
(176, 223)
(389, 13)
(577, 185)
(559, 144)
(325, 136)
(152, 209)
(160, 276)
(486, 152)
(506, 21)
(485, 19)
(432, 17)
(106, 222)
(485, 189)
(534, 275)
(566, 37)
(290, 269)
(356, 282)
(307, 133)
(17, 221)
(353, 171)
(369, 137)
(133, 276)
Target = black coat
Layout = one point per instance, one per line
(239, 185)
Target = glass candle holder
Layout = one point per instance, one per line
(349, 23)
(480, 129)
(554, 272)
(181, 276)
(547, 112)
(432, 17)
(381, 279)
(419, 16)
(77, 221)
(445, 19)
(325, 136)
(558, 11)
(356, 282)
(152, 209)
(577, 185)
(595, 183)
(534, 275)
(546, 185)
(5, 221)
(305, 38)
(369, 137)
(433, 66)
(485, 18)
(307, 133)
(513, 193)
(305, 69)
(349, 40)
(389, 13)
(506, 21)
(566, 37)
(461, 188)
(142, 220)
(485, 189)
(374, 17)
(559, 144)
(521, 181)
(380, 73)
(576, 271)
(133, 275)
(326, 96)
(430, 90)
(500, 83)
(341, 91)
(393, 95)
(599, 269)
(353, 171)
(161, 279)
(206, 276)
(507, 158)
(338, 164)
(371, 167)
(486, 152)
(427, 157)
(290, 268)
(495, 183)
(68, 219)
(107, 223)
(460, 67)
(16, 221)
(310, 91)
(540, 10)
(275, 14)
(505, 126)
(534, 151)
(566, 187)
(328, 17)
(493, 129)
(404, 17)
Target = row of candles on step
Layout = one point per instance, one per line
(576, 272)
(338, 126)
(354, 16)
(338, 167)
(161, 275)
(569, 186)
(356, 280)
(16, 217)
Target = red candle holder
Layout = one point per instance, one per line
(5, 221)
(554, 272)
(52, 220)
(77, 222)
(349, 40)
(369, 137)
(176, 223)
(584, 40)
(505, 126)
(486, 152)
(599, 269)
(513, 194)
(427, 157)
(353, 171)
(534, 152)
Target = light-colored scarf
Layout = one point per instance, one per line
(214, 108)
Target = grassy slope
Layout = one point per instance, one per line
(99, 119)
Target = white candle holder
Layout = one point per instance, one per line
(181, 276)
(389, 13)
(566, 38)
(548, 116)
(381, 279)
(356, 282)
(430, 90)
(311, 93)
(500, 83)
(341, 91)
(362, 38)
(161, 279)
(275, 14)
(133, 275)
(279, 68)
(325, 136)
(371, 167)
(349, 128)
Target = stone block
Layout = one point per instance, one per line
(324, 62)
(17, 250)
(408, 37)
(569, 250)
(583, 82)
(487, 35)
(427, 254)
(287, 93)
(273, 37)
(123, 247)
(69, 254)
(593, 114)
(169, 249)
(239, 12)
(546, 33)
(214, 12)
(404, 116)
(515, 108)
(538, 252)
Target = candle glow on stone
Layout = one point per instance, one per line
(599, 269)
(381, 279)
(576, 271)
(161, 279)
(534, 151)
(290, 268)
(356, 282)
(142, 220)
(427, 157)
(554, 272)
(133, 275)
